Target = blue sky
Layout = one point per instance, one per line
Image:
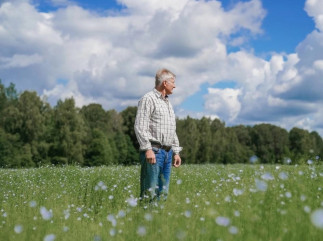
(243, 61)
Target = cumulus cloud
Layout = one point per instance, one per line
(112, 58)
(19, 60)
(298, 84)
(223, 102)
(314, 8)
(284, 90)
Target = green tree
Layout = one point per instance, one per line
(317, 143)
(125, 151)
(7, 150)
(96, 117)
(99, 151)
(68, 133)
(204, 153)
(3, 98)
(13, 153)
(11, 92)
(32, 120)
(11, 119)
(187, 131)
(301, 144)
(218, 132)
(271, 143)
(129, 118)
(244, 136)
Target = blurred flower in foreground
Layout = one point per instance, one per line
(18, 228)
(261, 185)
(317, 218)
(253, 159)
(46, 214)
(50, 237)
(141, 231)
(233, 230)
(132, 201)
(222, 221)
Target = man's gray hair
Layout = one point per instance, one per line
(162, 75)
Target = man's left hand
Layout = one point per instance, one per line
(177, 160)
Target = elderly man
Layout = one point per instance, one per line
(155, 129)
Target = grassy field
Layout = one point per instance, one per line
(206, 202)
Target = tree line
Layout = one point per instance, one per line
(33, 133)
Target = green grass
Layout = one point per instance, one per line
(206, 202)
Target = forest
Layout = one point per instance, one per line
(34, 134)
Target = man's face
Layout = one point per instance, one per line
(169, 86)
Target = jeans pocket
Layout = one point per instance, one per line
(155, 150)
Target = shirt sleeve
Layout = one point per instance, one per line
(145, 109)
(175, 146)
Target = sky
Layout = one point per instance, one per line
(242, 61)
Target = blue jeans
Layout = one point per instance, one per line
(154, 178)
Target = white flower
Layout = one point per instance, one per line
(222, 221)
(32, 204)
(237, 192)
(141, 231)
(112, 219)
(261, 185)
(253, 159)
(307, 209)
(283, 176)
(18, 228)
(267, 176)
(66, 214)
(148, 216)
(113, 232)
(288, 194)
(49, 237)
(121, 214)
(132, 201)
(317, 218)
(233, 230)
(65, 229)
(187, 214)
(46, 214)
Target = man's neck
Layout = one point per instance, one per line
(162, 91)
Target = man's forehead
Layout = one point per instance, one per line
(172, 79)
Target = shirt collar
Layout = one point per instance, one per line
(159, 95)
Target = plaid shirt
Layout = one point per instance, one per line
(155, 122)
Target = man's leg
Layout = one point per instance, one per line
(164, 177)
(148, 178)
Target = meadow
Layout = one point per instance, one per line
(206, 202)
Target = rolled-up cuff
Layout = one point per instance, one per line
(177, 149)
(146, 147)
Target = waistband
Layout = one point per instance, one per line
(160, 146)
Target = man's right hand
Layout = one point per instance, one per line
(150, 156)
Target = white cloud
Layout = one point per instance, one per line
(314, 8)
(318, 64)
(223, 102)
(19, 60)
(111, 56)
(112, 59)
